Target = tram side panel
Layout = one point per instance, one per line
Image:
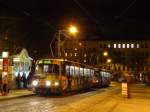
(105, 78)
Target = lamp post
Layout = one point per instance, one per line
(5, 73)
(59, 31)
(72, 30)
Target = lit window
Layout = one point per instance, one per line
(84, 61)
(85, 55)
(115, 45)
(108, 45)
(75, 49)
(123, 45)
(128, 45)
(138, 46)
(132, 45)
(75, 54)
(119, 45)
(66, 54)
(80, 44)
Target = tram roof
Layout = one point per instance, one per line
(59, 60)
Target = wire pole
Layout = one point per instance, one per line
(59, 31)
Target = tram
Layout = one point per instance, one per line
(147, 77)
(101, 78)
(63, 76)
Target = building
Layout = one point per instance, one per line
(132, 56)
(19, 66)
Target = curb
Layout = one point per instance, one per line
(15, 97)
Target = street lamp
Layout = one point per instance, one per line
(72, 30)
(108, 60)
(105, 53)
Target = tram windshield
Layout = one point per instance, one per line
(47, 68)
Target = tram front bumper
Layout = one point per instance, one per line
(44, 90)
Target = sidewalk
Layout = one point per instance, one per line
(16, 94)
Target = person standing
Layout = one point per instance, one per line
(18, 81)
(5, 85)
(24, 80)
(1, 84)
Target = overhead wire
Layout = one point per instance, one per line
(86, 11)
(28, 14)
(126, 9)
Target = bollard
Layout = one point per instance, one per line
(125, 89)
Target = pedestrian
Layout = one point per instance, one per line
(1, 84)
(5, 85)
(18, 81)
(24, 80)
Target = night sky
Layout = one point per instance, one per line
(36, 21)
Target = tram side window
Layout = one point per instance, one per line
(85, 72)
(88, 72)
(54, 68)
(72, 70)
(46, 69)
(51, 69)
(76, 71)
(92, 72)
(67, 69)
(81, 71)
(38, 69)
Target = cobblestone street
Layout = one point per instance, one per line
(99, 100)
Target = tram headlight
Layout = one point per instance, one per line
(48, 83)
(35, 83)
(56, 83)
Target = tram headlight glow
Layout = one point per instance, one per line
(35, 83)
(56, 83)
(48, 83)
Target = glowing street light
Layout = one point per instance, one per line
(108, 60)
(73, 30)
(105, 53)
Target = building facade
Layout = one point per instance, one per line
(130, 56)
